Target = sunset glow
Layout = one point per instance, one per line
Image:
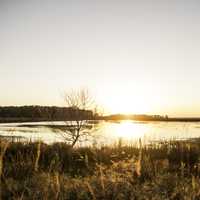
(135, 56)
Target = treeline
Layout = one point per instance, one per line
(13, 113)
(139, 117)
(54, 113)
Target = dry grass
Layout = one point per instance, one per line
(160, 171)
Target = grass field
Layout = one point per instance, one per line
(169, 170)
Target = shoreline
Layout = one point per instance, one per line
(24, 120)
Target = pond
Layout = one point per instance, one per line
(106, 133)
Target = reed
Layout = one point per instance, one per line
(3, 147)
(169, 170)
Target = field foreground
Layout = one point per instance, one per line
(168, 170)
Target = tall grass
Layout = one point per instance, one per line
(169, 170)
(3, 147)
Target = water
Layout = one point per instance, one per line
(107, 132)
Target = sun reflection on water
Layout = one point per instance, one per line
(128, 130)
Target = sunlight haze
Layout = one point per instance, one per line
(134, 56)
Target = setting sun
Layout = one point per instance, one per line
(127, 105)
(128, 99)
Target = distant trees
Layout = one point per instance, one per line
(36, 113)
(80, 106)
(22, 111)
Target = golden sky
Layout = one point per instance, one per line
(134, 56)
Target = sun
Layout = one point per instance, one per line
(127, 106)
(127, 103)
(128, 99)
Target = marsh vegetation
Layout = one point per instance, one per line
(168, 170)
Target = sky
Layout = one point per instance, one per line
(134, 56)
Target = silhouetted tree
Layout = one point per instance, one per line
(80, 106)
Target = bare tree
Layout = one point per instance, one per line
(80, 110)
